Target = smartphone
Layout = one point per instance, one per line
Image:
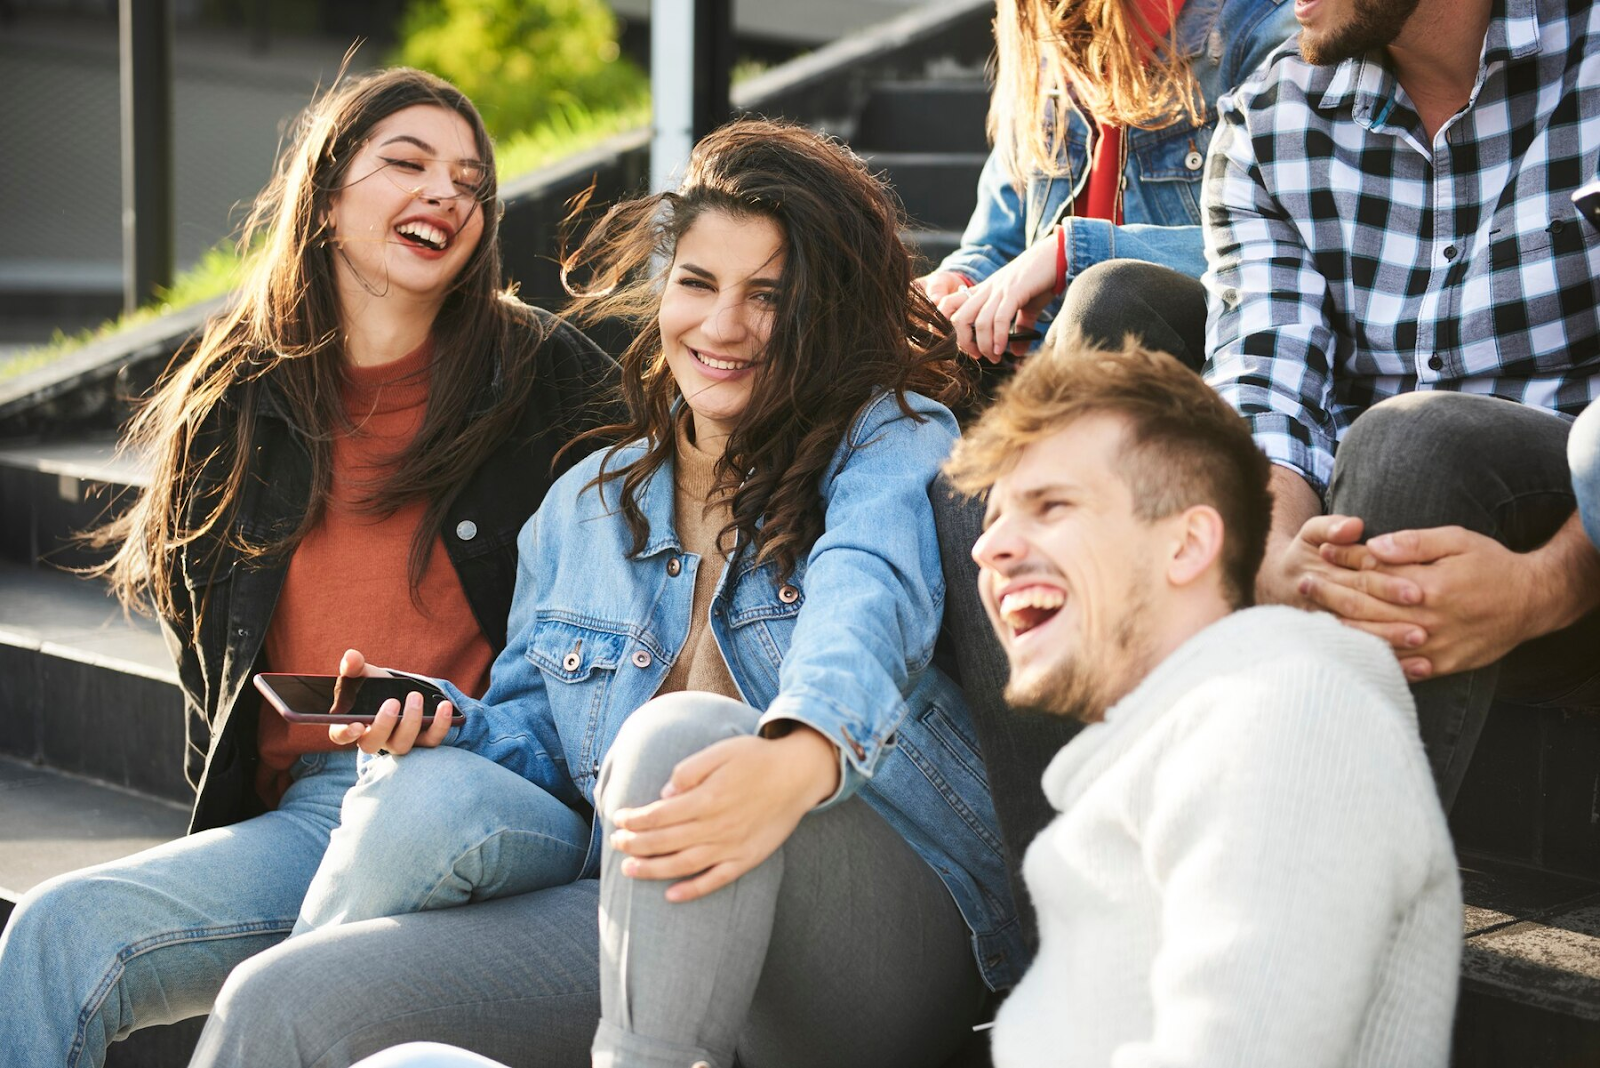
(1027, 333)
(1587, 200)
(339, 699)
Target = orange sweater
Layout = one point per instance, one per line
(347, 585)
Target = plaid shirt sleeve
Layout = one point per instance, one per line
(1271, 347)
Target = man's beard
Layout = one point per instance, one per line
(1099, 674)
(1373, 24)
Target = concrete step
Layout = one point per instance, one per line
(52, 823)
(916, 116)
(85, 688)
(931, 246)
(53, 491)
(937, 188)
(1530, 969)
(1532, 793)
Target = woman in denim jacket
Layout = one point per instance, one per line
(718, 701)
(1030, 235)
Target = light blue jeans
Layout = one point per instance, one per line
(438, 828)
(843, 949)
(92, 955)
(1583, 456)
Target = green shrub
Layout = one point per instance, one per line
(522, 61)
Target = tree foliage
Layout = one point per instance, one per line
(522, 61)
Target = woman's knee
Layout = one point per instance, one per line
(393, 791)
(79, 911)
(1583, 457)
(661, 733)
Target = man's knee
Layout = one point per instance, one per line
(1425, 459)
(661, 733)
(1159, 307)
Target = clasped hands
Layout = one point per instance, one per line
(1446, 599)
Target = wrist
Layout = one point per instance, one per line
(807, 748)
(1561, 584)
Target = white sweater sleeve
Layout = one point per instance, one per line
(1286, 830)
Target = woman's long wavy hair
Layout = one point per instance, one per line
(847, 325)
(1103, 54)
(282, 333)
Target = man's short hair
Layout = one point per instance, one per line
(1184, 445)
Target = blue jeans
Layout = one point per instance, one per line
(438, 828)
(1583, 456)
(842, 949)
(92, 955)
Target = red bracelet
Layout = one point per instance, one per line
(1061, 259)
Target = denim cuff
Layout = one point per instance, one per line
(617, 1048)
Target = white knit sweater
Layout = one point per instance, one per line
(1250, 868)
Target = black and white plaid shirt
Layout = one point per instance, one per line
(1350, 260)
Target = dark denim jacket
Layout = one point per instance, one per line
(479, 532)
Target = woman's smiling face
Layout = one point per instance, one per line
(716, 315)
(407, 216)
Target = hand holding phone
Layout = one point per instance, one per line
(380, 712)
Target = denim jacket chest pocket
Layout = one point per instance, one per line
(579, 660)
(1169, 164)
(759, 614)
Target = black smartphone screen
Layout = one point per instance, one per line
(336, 695)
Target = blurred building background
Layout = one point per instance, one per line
(241, 70)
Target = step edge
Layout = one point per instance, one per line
(62, 651)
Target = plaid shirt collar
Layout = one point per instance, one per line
(1367, 86)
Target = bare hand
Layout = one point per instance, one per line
(942, 283)
(984, 316)
(395, 730)
(725, 810)
(1473, 596)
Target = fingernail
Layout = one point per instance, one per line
(1415, 638)
(1383, 543)
(669, 790)
(616, 840)
(1304, 585)
(630, 866)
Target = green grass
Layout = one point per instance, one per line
(572, 130)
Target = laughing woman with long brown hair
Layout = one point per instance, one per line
(350, 450)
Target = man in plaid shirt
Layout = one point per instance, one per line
(1403, 303)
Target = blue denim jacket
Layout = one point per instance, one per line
(844, 645)
(1161, 200)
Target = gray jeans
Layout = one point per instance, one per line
(843, 948)
(1497, 468)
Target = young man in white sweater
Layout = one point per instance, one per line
(1250, 867)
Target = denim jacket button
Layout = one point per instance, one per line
(788, 594)
(674, 566)
(571, 661)
(466, 530)
(1193, 160)
(641, 659)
